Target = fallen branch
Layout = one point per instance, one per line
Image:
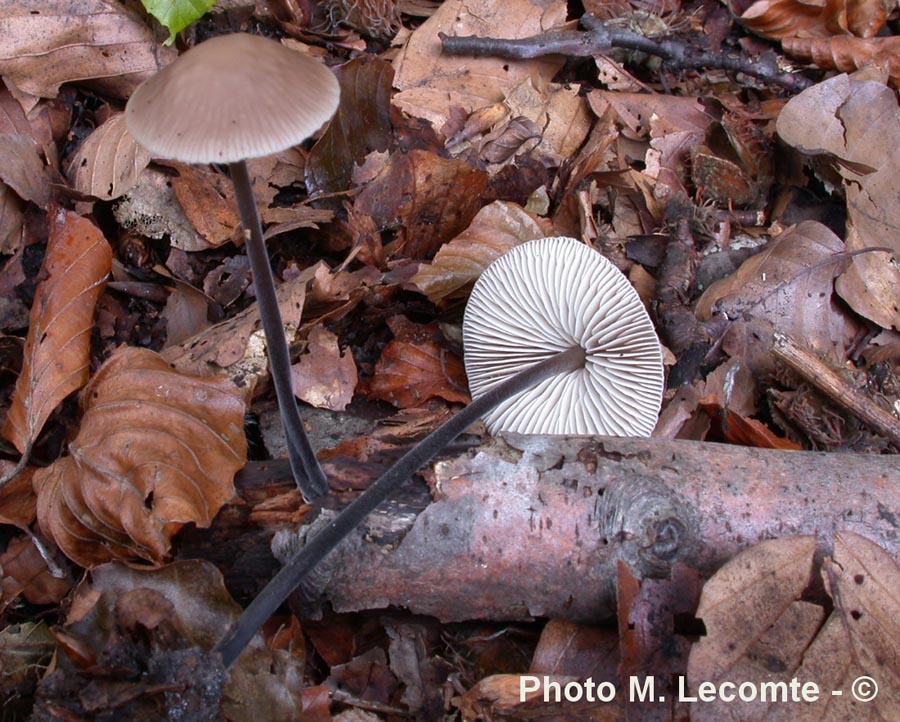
(599, 39)
(536, 527)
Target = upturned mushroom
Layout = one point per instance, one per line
(229, 99)
(545, 297)
(551, 324)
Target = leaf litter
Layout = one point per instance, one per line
(435, 165)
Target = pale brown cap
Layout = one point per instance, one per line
(546, 296)
(231, 98)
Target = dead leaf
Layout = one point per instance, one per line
(185, 313)
(23, 571)
(108, 162)
(237, 345)
(864, 581)
(23, 169)
(361, 125)
(432, 84)
(208, 203)
(17, 499)
(44, 44)
(494, 230)
(11, 220)
(415, 367)
(151, 209)
(848, 54)
(746, 601)
(501, 694)
(788, 287)
(156, 449)
(57, 349)
(855, 122)
(325, 377)
(428, 198)
(576, 650)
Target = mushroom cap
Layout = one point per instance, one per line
(543, 297)
(231, 98)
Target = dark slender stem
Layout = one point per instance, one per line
(290, 576)
(306, 469)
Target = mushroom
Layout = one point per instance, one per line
(555, 338)
(546, 296)
(228, 99)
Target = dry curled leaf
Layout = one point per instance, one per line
(108, 162)
(780, 19)
(156, 449)
(848, 54)
(495, 229)
(23, 571)
(45, 43)
(57, 349)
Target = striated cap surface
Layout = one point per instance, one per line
(231, 98)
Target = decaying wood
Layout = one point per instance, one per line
(535, 526)
(825, 378)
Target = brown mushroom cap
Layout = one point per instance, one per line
(543, 297)
(231, 98)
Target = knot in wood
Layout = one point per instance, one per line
(648, 526)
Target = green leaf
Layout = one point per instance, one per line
(176, 15)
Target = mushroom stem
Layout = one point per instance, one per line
(307, 472)
(292, 573)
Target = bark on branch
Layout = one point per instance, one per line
(535, 526)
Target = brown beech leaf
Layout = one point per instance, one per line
(746, 602)
(17, 499)
(864, 581)
(325, 377)
(108, 162)
(848, 54)
(361, 125)
(855, 122)
(23, 571)
(156, 449)
(431, 83)
(494, 230)
(207, 202)
(415, 366)
(57, 349)
(44, 43)
(789, 19)
(789, 287)
(23, 169)
(429, 198)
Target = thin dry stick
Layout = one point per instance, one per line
(824, 378)
(599, 39)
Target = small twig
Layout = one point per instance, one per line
(599, 38)
(827, 380)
